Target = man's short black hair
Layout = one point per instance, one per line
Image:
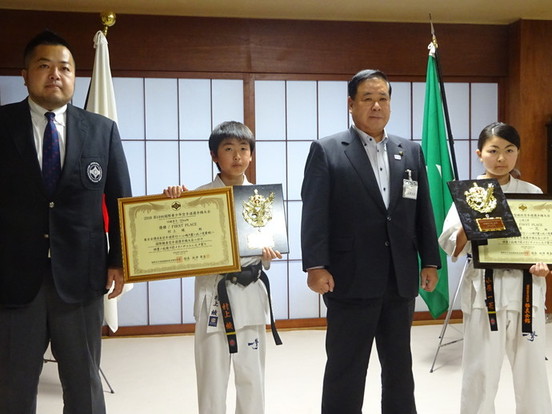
(47, 37)
(362, 76)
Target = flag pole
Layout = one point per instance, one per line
(444, 98)
(455, 174)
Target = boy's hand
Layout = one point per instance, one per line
(174, 191)
(540, 269)
(270, 254)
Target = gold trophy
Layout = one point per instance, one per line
(482, 200)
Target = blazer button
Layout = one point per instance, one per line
(388, 218)
(46, 236)
(387, 244)
(51, 204)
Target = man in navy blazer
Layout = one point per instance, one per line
(55, 262)
(367, 225)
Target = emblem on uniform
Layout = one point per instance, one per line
(94, 172)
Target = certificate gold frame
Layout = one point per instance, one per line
(192, 235)
(533, 215)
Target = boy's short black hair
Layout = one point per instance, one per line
(231, 129)
(47, 37)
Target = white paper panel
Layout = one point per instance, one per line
(161, 165)
(227, 100)
(271, 163)
(135, 156)
(161, 109)
(332, 107)
(196, 166)
(129, 95)
(277, 274)
(133, 306)
(194, 99)
(303, 302)
(12, 89)
(301, 110)
(270, 112)
(484, 106)
(400, 122)
(165, 302)
(294, 228)
(297, 155)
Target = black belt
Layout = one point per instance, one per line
(527, 301)
(249, 274)
(490, 300)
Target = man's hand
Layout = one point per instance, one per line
(429, 279)
(320, 281)
(115, 278)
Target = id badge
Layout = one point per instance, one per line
(410, 187)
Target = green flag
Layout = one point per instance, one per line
(439, 172)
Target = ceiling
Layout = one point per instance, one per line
(442, 11)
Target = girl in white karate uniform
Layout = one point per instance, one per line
(484, 350)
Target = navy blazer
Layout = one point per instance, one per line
(347, 228)
(70, 223)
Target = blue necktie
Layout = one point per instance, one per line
(51, 162)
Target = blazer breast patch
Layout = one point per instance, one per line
(94, 172)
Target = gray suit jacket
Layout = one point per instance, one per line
(346, 226)
(70, 224)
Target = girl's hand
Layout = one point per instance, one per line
(540, 269)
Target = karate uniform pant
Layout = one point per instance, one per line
(213, 362)
(484, 352)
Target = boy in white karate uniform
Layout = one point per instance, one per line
(231, 144)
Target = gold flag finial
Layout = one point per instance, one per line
(433, 37)
(108, 20)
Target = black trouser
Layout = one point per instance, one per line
(353, 324)
(74, 331)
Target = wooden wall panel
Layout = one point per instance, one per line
(529, 97)
(529, 101)
(145, 44)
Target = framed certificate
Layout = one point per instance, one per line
(533, 215)
(260, 218)
(192, 235)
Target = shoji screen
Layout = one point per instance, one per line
(165, 124)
